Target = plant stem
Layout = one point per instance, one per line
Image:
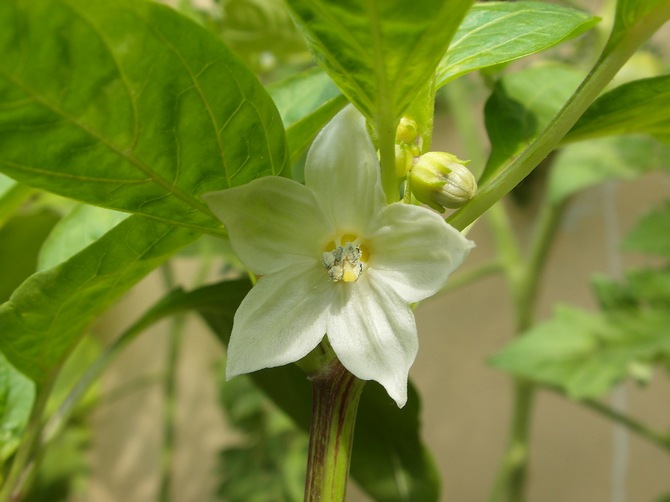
(386, 137)
(169, 395)
(335, 397)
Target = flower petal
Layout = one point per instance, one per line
(414, 250)
(273, 222)
(281, 319)
(373, 333)
(343, 170)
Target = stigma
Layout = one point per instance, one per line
(344, 263)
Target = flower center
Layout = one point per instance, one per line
(344, 262)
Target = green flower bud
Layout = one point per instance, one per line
(404, 159)
(407, 131)
(441, 180)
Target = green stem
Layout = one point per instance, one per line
(12, 199)
(524, 274)
(612, 59)
(15, 485)
(335, 397)
(169, 395)
(386, 137)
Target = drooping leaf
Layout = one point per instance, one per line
(306, 102)
(130, 106)
(652, 233)
(587, 354)
(521, 104)
(47, 314)
(16, 400)
(585, 164)
(82, 227)
(641, 106)
(380, 52)
(20, 242)
(494, 33)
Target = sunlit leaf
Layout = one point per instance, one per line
(493, 33)
(82, 227)
(585, 164)
(47, 314)
(380, 52)
(130, 106)
(587, 354)
(16, 400)
(641, 106)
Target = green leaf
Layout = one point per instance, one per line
(494, 33)
(582, 165)
(521, 104)
(47, 314)
(130, 106)
(82, 227)
(652, 233)
(20, 242)
(641, 106)
(380, 53)
(587, 354)
(12, 195)
(306, 102)
(16, 400)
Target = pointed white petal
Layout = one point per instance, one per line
(414, 250)
(373, 333)
(273, 222)
(343, 170)
(281, 320)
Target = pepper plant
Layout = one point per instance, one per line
(319, 187)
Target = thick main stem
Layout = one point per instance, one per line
(335, 394)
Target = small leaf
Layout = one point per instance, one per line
(521, 104)
(83, 226)
(16, 400)
(587, 354)
(130, 106)
(494, 33)
(380, 53)
(641, 106)
(47, 314)
(306, 102)
(582, 165)
(652, 233)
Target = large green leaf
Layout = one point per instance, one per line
(521, 104)
(46, 315)
(585, 164)
(379, 52)
(641, 106)
(587, 354)
(493, 33)
(131, 106)
(16, 400)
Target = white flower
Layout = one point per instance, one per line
(334, 259)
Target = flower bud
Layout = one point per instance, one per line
(441, 180)
(407, 131)
(404, 159)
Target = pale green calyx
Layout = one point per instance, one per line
(441, 180)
